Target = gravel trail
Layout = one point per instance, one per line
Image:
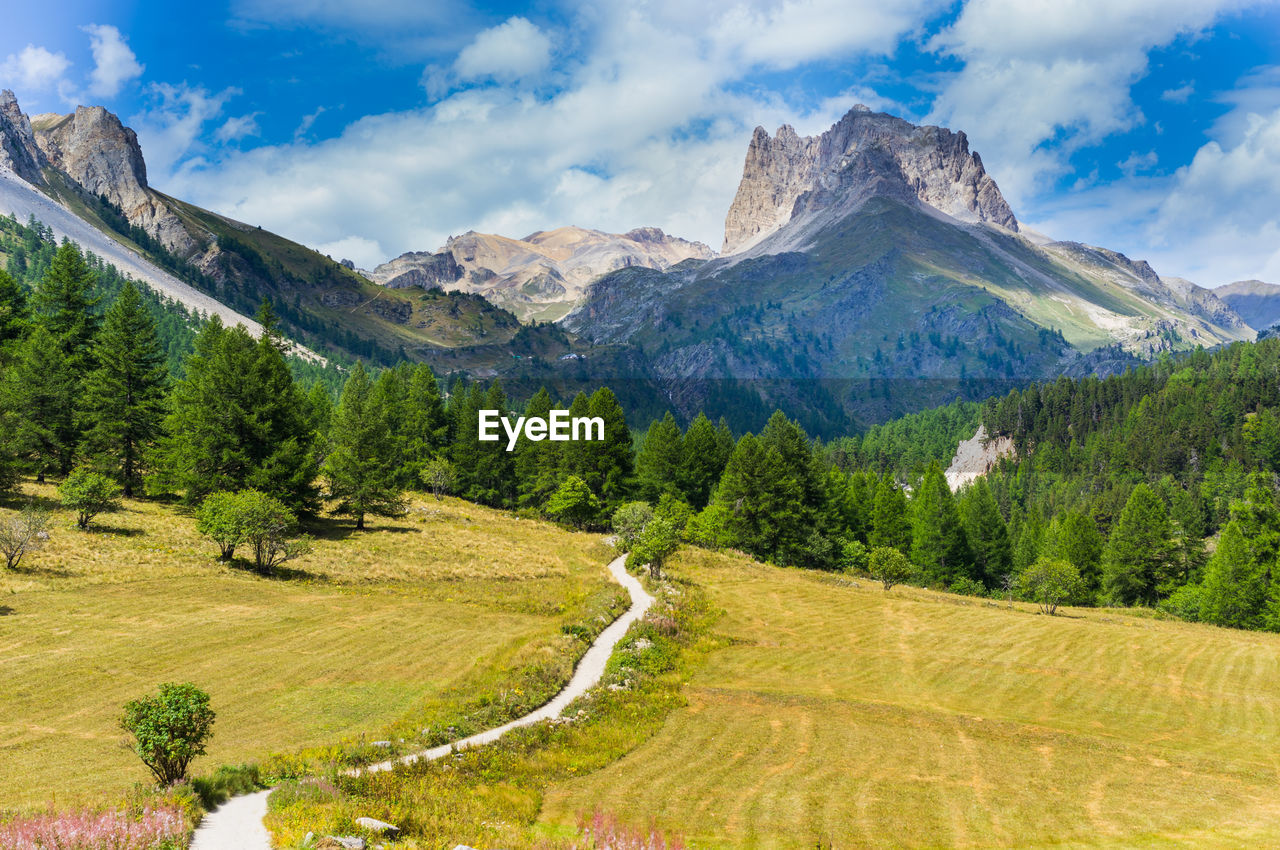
(237, 823)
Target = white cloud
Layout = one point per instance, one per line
(240, 127)
(364, 253)
(114, 63)
(646, 125)
(169, 131)
(1179, 95)
(34, 68)
(1043, 78)
(1136, 162)
(510, 51)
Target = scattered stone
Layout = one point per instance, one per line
(383, 744)
(463, 847)
(311, 836)
(379, 826)
(642, 644)
(341, 842)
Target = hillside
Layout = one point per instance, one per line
(1257, 302)
(876, 270)
(833, 707)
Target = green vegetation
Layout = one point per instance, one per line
(169, 729)
(830, 714)
(88, 494)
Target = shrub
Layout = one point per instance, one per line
(1049, 582)
(1184, 603)
(219, 520)
(226, 782)
(889, 566)
(853, 556)
(154, 828)
(628, 521)
(675, 510)
(439, 476)
(89, 493)
(573, 503)
(966, 586)
(169, 729)
(254, 518)
(23, 534)
(709, 527)
(656, 543)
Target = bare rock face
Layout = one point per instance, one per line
(18, 150)
(543, 275)
(99, 153)
(865, 153)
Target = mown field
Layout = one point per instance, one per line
(844, 716)
(416, 618)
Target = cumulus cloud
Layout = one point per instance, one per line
(1042, 71)
(510, 51)
(1179, 95)
(34, 68)
(170, 129)
(237, 128)
(114, 63)
(646, 126)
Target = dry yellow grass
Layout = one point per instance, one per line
(406, 617)
(848, 717)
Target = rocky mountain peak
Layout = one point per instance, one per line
(19, 152)
(94, 148)
(865, 153)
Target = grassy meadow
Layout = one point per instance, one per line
(836, 714)
(419, 621)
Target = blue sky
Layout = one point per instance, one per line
(369, 129)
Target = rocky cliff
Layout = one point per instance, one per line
(18, 150)
(541, 276)
(93, 148)
(866, 153)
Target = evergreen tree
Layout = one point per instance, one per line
(1235, 585)
(765, 503)
(39, 392)
(124, 396)
(1138, 557)
(362, 467)
(537, 461)
(392, 391)
(938, 542)
(705, 454)
(13, 314)
(987, 534)
(890, 521)
(426, 426)
(660, 461)
(1078, 542)
(611, 459)
(319, 418)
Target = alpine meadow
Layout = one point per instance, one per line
(467, 427)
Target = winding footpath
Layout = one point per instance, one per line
(237, 823)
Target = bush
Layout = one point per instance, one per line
(889, 566)
(1049, 582)
(89, 493)
(966, 586)
(23, 534)
(628, 521)
(225, 783)
(853, 556)
(439, 476)
(1184, 603)
(709, 527)
(656, 543)
(573, 503)
(675, 510)
(169, 729)
(254, 518)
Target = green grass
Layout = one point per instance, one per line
(435, 615)
(837, 715)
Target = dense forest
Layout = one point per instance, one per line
(1119, 489)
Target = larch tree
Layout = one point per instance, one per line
(938, 542)
(124, 395)
(361, 467)
(660, 459)
(1138, 557)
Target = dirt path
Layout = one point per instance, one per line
(237, 823)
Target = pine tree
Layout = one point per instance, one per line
(987, 534)
(1235, 586)
(124, 396)
(613, 458)
(537, 461)
(660, 460)
(13, 314)
(938, 542)
(765, 503)
(426, 425)
(890, 521)
(392, 391)
(493, 478)
(39, 392)
(319, 418)
(1138, 557)
(705, 454)
(362, 465)
(1078, 542)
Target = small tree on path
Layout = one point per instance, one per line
(169, 729)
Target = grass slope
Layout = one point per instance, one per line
(416, 618)
(841, 715)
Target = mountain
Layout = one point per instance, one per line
(1258, 303)
(542, 276)
(877, 269)
(84, 175)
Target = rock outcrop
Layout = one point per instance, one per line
(93, 148)
(864, 154)
(19, 152)
(543, 275)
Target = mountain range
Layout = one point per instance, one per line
(867, 271)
